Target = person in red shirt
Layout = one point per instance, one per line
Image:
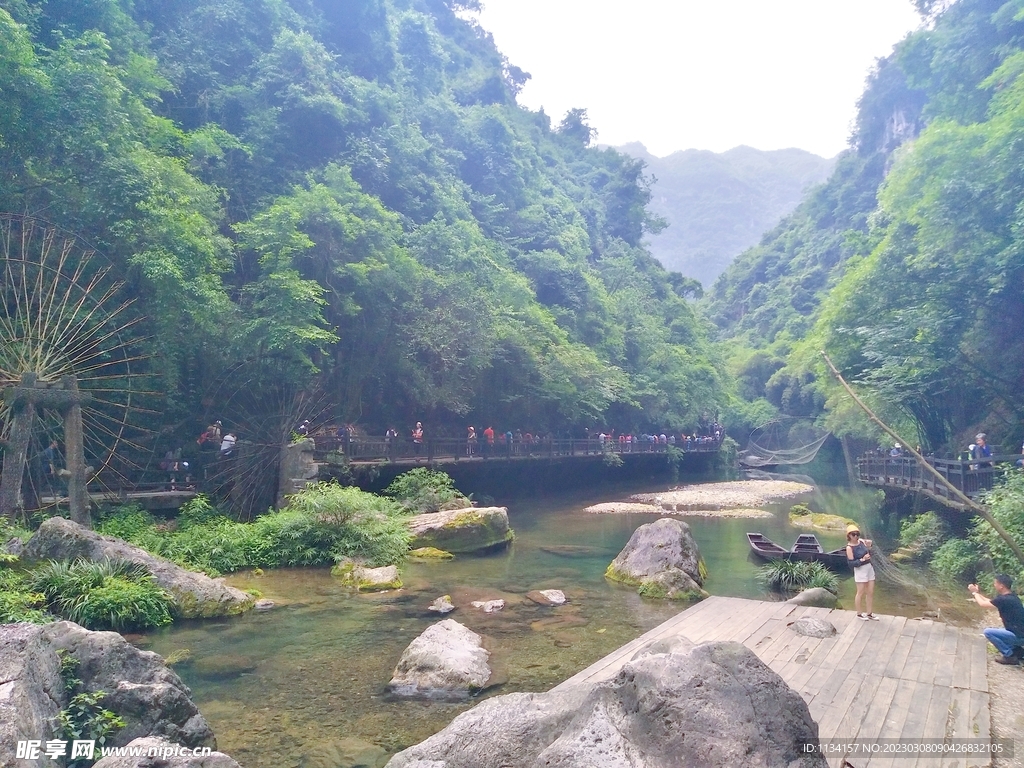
(488, 441)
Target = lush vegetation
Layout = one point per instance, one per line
(323, 524)
(718, 205)
(906, 266)
(424, 490)
(795, 575)
(344, 198)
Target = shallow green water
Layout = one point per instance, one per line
(278, 686)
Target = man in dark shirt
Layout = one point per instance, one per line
(1009, 641)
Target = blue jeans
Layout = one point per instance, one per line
(1003, 639)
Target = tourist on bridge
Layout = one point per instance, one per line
(211, 438)
(1009, 640)
(417, 439)
(488, 441)
(859, 557)
(470, 441)
(227, 445)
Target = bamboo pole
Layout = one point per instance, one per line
(966, 500)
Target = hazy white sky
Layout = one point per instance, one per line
(710, 74)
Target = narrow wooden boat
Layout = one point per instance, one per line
(765, 548)
(806, 547)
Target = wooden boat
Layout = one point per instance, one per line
(806, 547)
(765, 548)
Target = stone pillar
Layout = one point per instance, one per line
(74, 447)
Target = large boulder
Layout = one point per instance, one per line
(815, 597)
(160, 753)
(447, 661)
(713, 705)
(140, 688)
(195, 595)
(662, 559)
(472, 529)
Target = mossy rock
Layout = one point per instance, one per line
(801, 517)
(363, 579)
(473, 529)
(188, 606)
(429, 554)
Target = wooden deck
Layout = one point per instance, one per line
(895, 678)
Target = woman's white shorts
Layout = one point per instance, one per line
(865, 572)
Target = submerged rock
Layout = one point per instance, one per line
(446, 661)
(713, 705)
(489, 606)
(361, 578)
(429, 554)
(139, 687)
(348, 752)
(809, 626)
(662, 559)
(263, 605)
(442, 605)
(195, 595)
(160, 753)
(816, 597)
(547, 596)
(472, 529)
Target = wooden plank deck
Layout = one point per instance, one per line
(896, 678)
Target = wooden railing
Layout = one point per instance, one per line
(356, 449)
(970, 476)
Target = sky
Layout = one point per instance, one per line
(680, 74)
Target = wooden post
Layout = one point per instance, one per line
(23, 412)
(74, 448)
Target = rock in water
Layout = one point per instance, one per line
(547, 596)
(662, 559)
(442, 605)
(816, 597)
(140, 688)
(462, 530)
(809, 626)
(489, 606)
(195, 595)
(714, 705)
(446, 661)
(370, 579)
(348, 752)
(158, 753)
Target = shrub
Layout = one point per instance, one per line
(112, 594)
(1006, 502)
(923, 534)
(794, 575)
(957, 560)
(423, 490)
(18, 602)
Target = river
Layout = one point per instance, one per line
(280, 687)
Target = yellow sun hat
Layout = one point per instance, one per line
(852, 528)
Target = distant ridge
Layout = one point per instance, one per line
(720, 204)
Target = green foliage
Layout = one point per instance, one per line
(85, 719)
(424, 490)
(112, 594)
(1006, 502)
(18, 602)
(923, 534)
(795, 575)
(957, 561)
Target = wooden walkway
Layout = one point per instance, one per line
(895, 678)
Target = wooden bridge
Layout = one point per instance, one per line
(970, 476)
(896, 678)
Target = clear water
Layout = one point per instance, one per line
(277, 686)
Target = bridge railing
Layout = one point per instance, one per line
(970, 476)
(365, 448)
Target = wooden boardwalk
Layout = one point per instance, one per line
(895, 678)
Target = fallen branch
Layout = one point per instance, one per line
(966, 500)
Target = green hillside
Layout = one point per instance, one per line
(907, 265)
(342, 198)
(719, 204)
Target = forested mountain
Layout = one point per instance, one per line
(719, 204)
(343, 196)
(908, 265)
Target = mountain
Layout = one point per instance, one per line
(719, 204)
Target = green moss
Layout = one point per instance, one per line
(430, 553)
(613, 573)
(469, 531)
(824, 522)
(188, 606)
(348, 573)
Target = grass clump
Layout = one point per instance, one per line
(111, 594)
(18, 601)
(796, 575)
(322, 524)
(424, 490)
